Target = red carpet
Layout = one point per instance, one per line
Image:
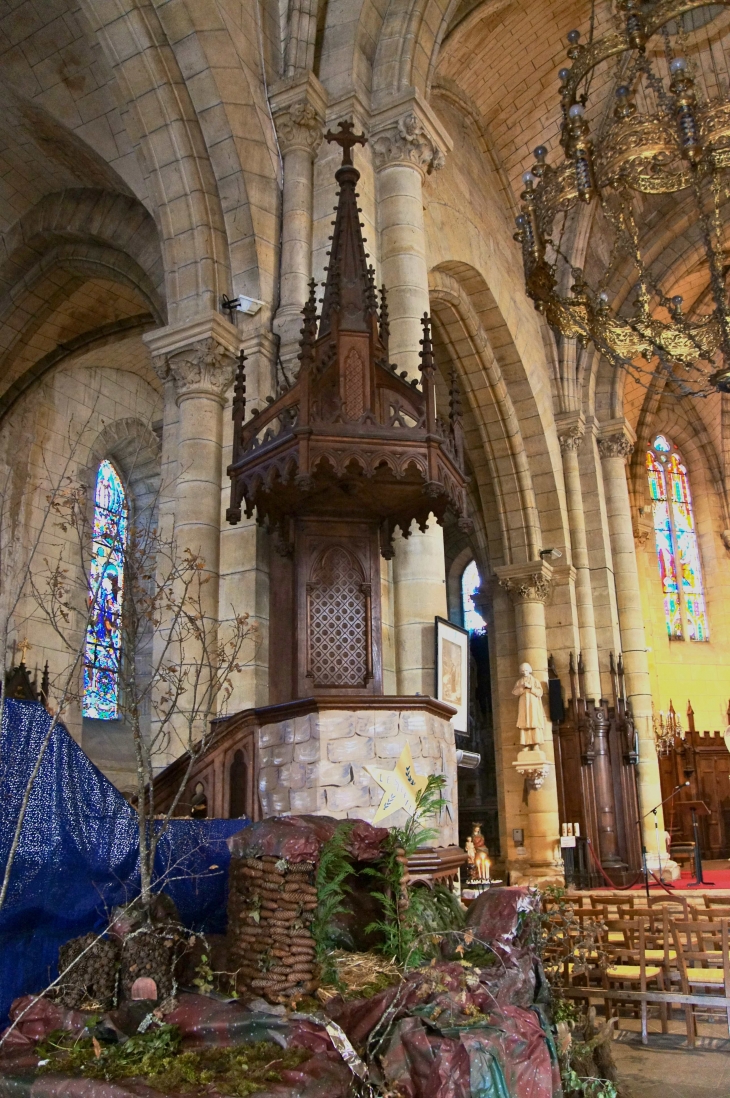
(714, 878)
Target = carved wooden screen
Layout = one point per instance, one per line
(338, 602)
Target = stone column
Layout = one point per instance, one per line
(529, 586)
(408, 143)
(571, 431)
(419, 596)
(615, 444)
(298, 115)
(199, 358)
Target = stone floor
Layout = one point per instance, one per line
(666, 1067)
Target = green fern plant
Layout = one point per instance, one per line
(412, 917)
(335, 866)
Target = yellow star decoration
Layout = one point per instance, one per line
(400, 787)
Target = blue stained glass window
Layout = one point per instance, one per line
(470, 581)
(676, 542)
(106, 589)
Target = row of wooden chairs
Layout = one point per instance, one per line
(658, 952)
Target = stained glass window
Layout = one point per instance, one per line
(676, 542)
(470, 581)
(106, 586)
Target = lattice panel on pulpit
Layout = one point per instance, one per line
(338, 622)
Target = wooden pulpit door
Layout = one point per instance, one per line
(338, 596)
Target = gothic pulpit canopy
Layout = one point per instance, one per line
(351, 437)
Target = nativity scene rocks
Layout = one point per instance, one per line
(139, 959)
(273, 899)
(270, 912)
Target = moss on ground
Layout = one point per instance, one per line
(157, 1057)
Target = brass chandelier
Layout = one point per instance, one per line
(667, 132)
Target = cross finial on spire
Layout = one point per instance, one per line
(346, 139)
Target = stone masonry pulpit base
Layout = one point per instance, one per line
(307, 756)
(312, 752)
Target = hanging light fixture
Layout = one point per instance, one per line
(666, 133)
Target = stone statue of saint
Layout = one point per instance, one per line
(530, 714)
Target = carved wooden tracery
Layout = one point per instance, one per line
(338, 621)
(350, 451)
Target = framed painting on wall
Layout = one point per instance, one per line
(452, 671)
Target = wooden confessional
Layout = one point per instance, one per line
(595, 767)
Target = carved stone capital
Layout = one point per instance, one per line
(299, 108)
(199, 355)
(616, 446)
(571, 439)
(203, 369)
(407, 141)
(616, 439)
(531, 582)
(299, 126)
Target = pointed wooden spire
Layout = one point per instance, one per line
(309, 324)
(45, 686)
(348, 290)
(384, 331)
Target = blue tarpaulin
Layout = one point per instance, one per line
(78, 855)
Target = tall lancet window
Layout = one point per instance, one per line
(676, 542)
(106, 588)
(470, 581)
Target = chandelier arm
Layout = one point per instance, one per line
(656, 85)
(588, 57)
(717, 281)
(642, 331)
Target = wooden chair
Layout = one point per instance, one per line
(614, 905)
(609, 908)
(711, 914)
(673, 904)
(713, 900)
(627, 963)
(659, 943)
(683, 852)
(704, 963)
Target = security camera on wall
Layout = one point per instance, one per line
(241, 304)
